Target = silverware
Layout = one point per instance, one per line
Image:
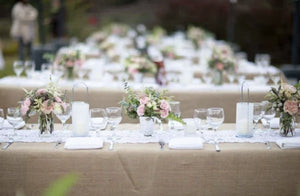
(111, 147)
(217, 147)
(268, 145)
(7, 145)
(57, 143)
(162, 144)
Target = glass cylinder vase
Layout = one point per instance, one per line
(46, 124)
(218, 77)
(287, 125)
(70, 73)
(147, 126)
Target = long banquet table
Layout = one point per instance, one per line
(144, 169)
(103, 94)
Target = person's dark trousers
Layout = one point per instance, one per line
(22, 47)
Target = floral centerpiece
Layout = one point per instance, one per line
(44, 102)
(169, 52)
(148, 105)
(197, 35)
(70, 59)
(221, 60)
(139, 65)
(285, 100)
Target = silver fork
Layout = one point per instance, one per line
(217, 146)
(162, 144)
(58, 143)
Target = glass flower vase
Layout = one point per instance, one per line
(70, 73)
(147, 126)
(46, 124)
(287, 125)
(218, 77)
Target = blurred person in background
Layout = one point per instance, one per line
(24, 18)
(57, 19)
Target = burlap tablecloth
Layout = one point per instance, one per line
(144, 169)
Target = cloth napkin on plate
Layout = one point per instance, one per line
(286, 143)
(84, 143)
(274, 123)
(186, 143)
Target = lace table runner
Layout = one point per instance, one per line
(135, 136)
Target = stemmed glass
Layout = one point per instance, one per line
(257, 113)
(215, 118)
(18, 68)
(268, 114)
(14, 117)
(200, 116)
(29, 68)
(114, 117)
(175, 108)
(64, 114)
(98, 119)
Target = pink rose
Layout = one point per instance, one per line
(220, 66)
(41, 91)
(132, 70)
(27, 102)
(58, 100)
(24, 109)
(78, 62)
(165, 105)
(144, 100)
(164, 113)
(47, 109)
(289, 88)
(141, 110)
(290, 107)
(69, 63)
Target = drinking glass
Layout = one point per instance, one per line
(46, 70)
(18, 68)
(64, 114)
(29, 67)
(1, 118)
(114, 117)
(268, 114)
(262, 60)
(275, 79)
(98, 119)
(215, 118)
(14, 117)
(257, 113)
(200, 116)
(175, 108)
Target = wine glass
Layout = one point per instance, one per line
(18, 68)
(262, 60)
(98, 119)
(14, 117)
(114, 117)
(29, 67)
(64, 114)
(175, 108)
(215, 118)
(257, 113)
(1, 118)
(268, 114)
(200, 116)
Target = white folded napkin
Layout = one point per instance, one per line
(84, 143)
(274, 123)
(286, 143)
(186, 143)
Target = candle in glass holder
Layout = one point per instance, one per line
(80, 119)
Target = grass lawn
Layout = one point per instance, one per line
(8, 69)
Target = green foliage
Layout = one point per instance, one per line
(61, 186)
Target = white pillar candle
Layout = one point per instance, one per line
(80, 118)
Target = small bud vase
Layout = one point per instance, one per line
(46, 124)
(287, 125)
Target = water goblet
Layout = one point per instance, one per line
(1, 118)
(215, 118)
(268, 114)
(14, 118)
(262, 60)
(18, 68)
(98, 119)
(114, 117)
(200, 116)
(175, 109)
(257, 113)
(64, 114)
(29, 67)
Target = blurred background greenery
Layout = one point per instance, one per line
(261, 26)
